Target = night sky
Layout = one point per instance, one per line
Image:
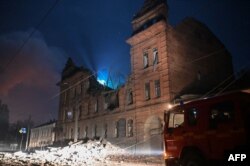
(93, 34)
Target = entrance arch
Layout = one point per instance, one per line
(152, 135)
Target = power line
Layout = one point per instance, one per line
(19, 50)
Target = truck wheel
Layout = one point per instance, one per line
(192, 159)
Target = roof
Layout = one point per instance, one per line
(45, 124)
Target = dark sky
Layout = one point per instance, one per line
(93, 33)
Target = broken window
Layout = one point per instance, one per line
(130, 128)
(145, 59)
(147, 91)
(157, 88)
(155, 56)
(130, 97)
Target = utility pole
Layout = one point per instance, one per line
(76, 124)
(28, 134)
(21, 142)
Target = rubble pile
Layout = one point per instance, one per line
(91, 153)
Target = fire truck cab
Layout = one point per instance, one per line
(201, 132)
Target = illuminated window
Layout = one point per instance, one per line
(155, 56)
(157, 88)
(145, 59)
(147, 91)
(130, 128)
(69, 115)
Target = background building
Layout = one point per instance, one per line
(4, 121)
(42, 135)
(166, 63)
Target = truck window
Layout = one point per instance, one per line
(221, 113)
(192, 116)
(176, 119)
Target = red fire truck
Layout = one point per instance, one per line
(201, 132)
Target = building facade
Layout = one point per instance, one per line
(42, 135)
(166, 63)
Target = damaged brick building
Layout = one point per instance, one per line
(167, 64)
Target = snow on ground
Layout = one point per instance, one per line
(93, 153)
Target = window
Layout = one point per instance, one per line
(78, 133)
(192, 116)
(121, 128)
(221, 113)
(96, 105)
(157, 88)
(147, 91)
(116, 129)
(130, 128)
(82, 88)
(86, 84)
(130, 97)
(155, 56)
(72, 134)
(145, 59)
(80, 111)
(176, 119)
(95, 130)
(70, 115)
(199, 76)
(79, 89)
(86, 132)
(105, 130)
(65, 97)
(88, 108)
